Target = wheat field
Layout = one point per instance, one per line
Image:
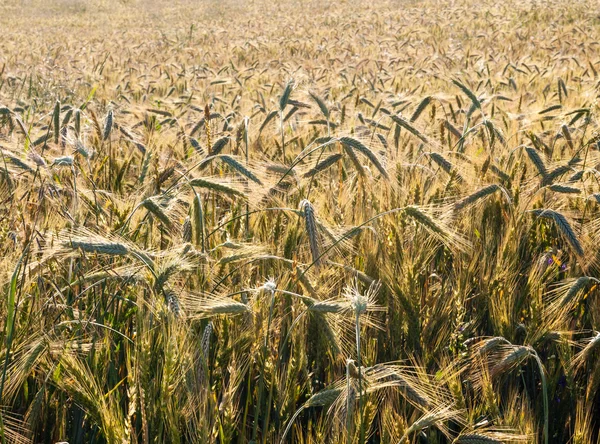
(300, 221)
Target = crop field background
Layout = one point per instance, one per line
(300, 222)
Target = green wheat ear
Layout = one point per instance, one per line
(323, 165)
(481, 194)
(419, 110)
(241, 169)
(537, 161)
(563, 226)
(310, 223)
(358, 146)
(108, 125)
(56, 120)
(216, 186)
(322, 399)
(285, 96)
(470, 94)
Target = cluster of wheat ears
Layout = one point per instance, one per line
(298, 222)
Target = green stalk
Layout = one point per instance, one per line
(246, 405)
(544, 392)
(246, 123)
(282, 135)
(360, 384)
(261, 386)
(584, 190)
(9, 328)
(349, 401)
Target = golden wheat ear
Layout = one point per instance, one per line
(433, 418)
(490, 437)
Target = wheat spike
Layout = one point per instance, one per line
(310, 222)
(490, 437)
(537, 161)
(285, 96)
(431, 418)
(555, 173)
(564, 189)
(56, 120)
(564, 227)
(402, 123)
(360, 147)
(323, 165)
(206, 337)
(151, 204)
(219, 145)
(321, 104)
(323, 398)
(469, 93)
(216, 186)
(108, 124)
(110, 248)
(476, 438)
(419, 110)
(592, 344)
(480, 194)
(512, 356)
(237, 166)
